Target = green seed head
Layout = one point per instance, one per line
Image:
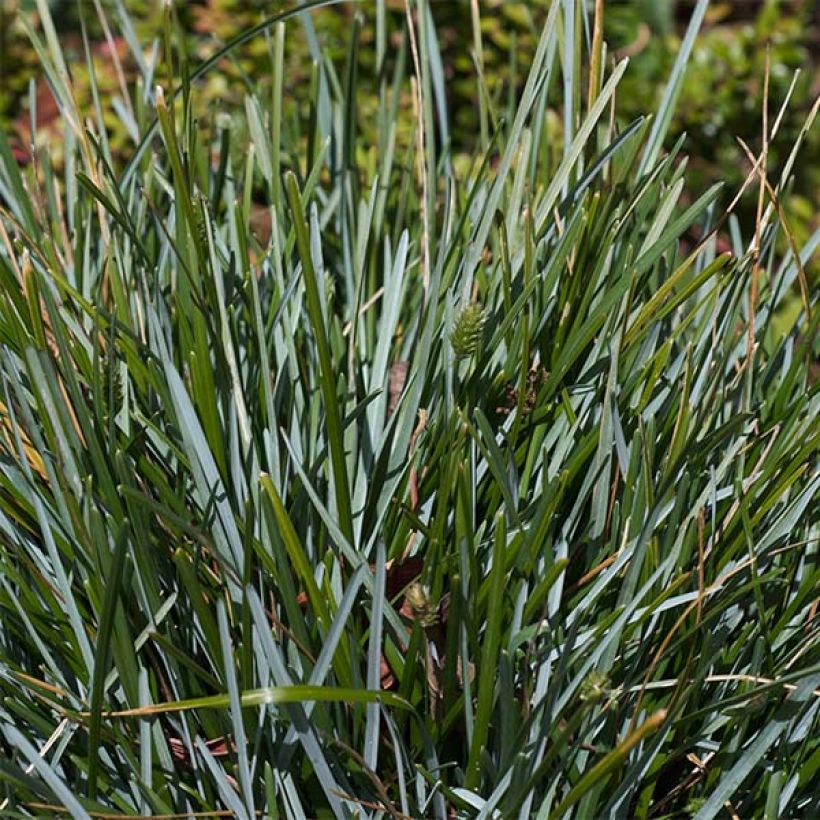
(467, 330)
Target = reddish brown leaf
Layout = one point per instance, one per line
(218, 747)
(398, 378)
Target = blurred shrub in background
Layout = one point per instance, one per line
(722, 96)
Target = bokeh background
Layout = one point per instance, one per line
(722, 96)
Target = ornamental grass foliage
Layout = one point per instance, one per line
(470, 485)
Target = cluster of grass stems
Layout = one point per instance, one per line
(472, 488)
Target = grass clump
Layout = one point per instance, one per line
(470, 488)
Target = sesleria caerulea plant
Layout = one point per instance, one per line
(472, 484)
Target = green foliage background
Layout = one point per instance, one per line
(721, 99)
